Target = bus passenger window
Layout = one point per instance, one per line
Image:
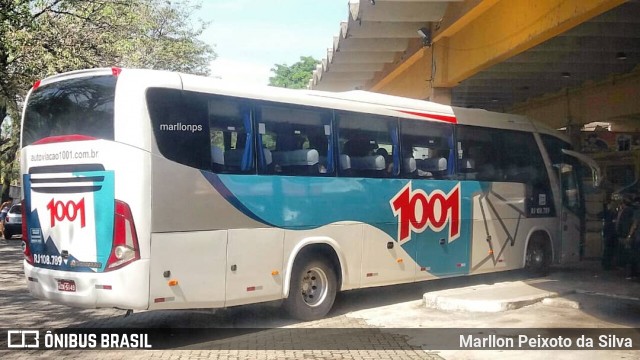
(230, 136)
(179, 120)
(427, 149)
(522, 161)
(294, 141)
(478, 154)
(368, 146)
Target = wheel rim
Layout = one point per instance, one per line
(314, 286)
(536, 257)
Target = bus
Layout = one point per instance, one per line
(152, 190)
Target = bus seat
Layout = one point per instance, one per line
(301, 161)
(217, 159)
(345, 165)
(268, 157)
(302, 157)
(436, 166)
(373, 162)
(410, 166)
(345, 162)
(466, 165)
(267, 167)
(373, 165)
(217, 155)
(467, 169)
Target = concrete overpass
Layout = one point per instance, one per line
(562, 62)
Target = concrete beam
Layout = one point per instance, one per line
(334, 75)
(608, 100)
(365, 57)
(367, 67)
(418, 57)
(417, 11)
(505, 29)
(380, 30)
(459, 15)
(359, 44)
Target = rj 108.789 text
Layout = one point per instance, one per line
(47, 259)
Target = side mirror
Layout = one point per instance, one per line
(595, 169)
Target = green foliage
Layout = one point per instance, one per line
(296, 76)
(39, 38)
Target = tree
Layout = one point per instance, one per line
(296, 76)
(43, 37)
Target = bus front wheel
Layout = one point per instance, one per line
(312, 290)
(538, 257)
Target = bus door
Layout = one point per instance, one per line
(572, 213)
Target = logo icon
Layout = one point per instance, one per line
(20, 339)
(66, 211)
(417, 211)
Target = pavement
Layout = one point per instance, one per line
(580, 296)
(513, 295)
(378, 323)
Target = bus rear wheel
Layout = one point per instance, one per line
(538, 257)
(312, 289)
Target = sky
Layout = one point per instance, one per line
(251, 36)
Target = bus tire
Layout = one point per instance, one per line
(538, 257)
(312, 289)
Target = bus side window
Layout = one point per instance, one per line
(522, 161)
(231, 136)
(179, 120)
(368, 147)
(427, 149)
(295, 140)
(478, 156)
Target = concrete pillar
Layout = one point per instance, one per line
(573, 132)
(440, 95)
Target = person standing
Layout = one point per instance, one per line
(4, 210)
(609, 236)
(632, 243)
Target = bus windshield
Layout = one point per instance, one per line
(81, 106)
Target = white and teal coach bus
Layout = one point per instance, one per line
(158, 190)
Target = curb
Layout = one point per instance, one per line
(489, 298)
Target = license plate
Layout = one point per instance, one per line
(66, 285)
